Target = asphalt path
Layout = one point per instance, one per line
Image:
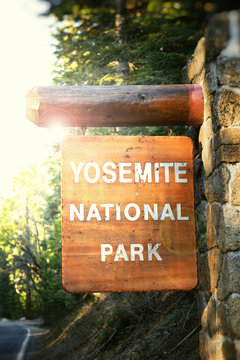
(18, 338)
(12, 338)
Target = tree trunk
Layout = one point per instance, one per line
(123, 67)
(28, 303)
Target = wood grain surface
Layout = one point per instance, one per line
(132, 105)
(85, 268)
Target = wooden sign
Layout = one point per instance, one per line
(126, 105)
(128, 214)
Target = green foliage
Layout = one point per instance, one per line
(62, 7)
(114, 323)
(137, 130)
(53, 199)
(201, 229)
(148, 44)
(30, 245)
(172, 315)
(153, 46)
(10, 305)
(184, 313)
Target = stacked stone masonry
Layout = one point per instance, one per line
(216, 66)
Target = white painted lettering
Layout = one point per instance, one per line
(153, 213)
(137, 212)
(143, 172)
(121, 253)
(106, 249)
(167, 212)
(156, 172)
(123, 171)
(143, 175)
(97, 172)
(136, 249)
(93, 213)
(118, 212)
(109, 172)
(178, 172)
(153, 251)
(166, 170)
(74, 211)
(107, 210)
(179, 213)
(132, 212)
(76, 171)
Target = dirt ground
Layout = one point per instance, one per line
(127, 326)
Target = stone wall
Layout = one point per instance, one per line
(216, 66)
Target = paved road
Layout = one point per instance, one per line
(13, 334)
(11, 340)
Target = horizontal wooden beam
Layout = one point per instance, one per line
(131, 105)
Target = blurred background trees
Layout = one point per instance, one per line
(30, 245)
(113, 42)
(139, 42)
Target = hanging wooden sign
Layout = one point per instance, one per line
(128, 214)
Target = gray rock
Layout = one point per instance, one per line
(204, 275)
(217, 185)
(229, 275)
(229, 229)
(235, 185)
(228, 70)
(226, 107)
(211, 78)
(222, 319)
(228, 350)
(217, 35)
(234, 318)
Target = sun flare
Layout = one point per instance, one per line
(27, 63)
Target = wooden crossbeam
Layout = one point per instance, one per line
(131, 105)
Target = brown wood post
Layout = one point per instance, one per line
(131, 105)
